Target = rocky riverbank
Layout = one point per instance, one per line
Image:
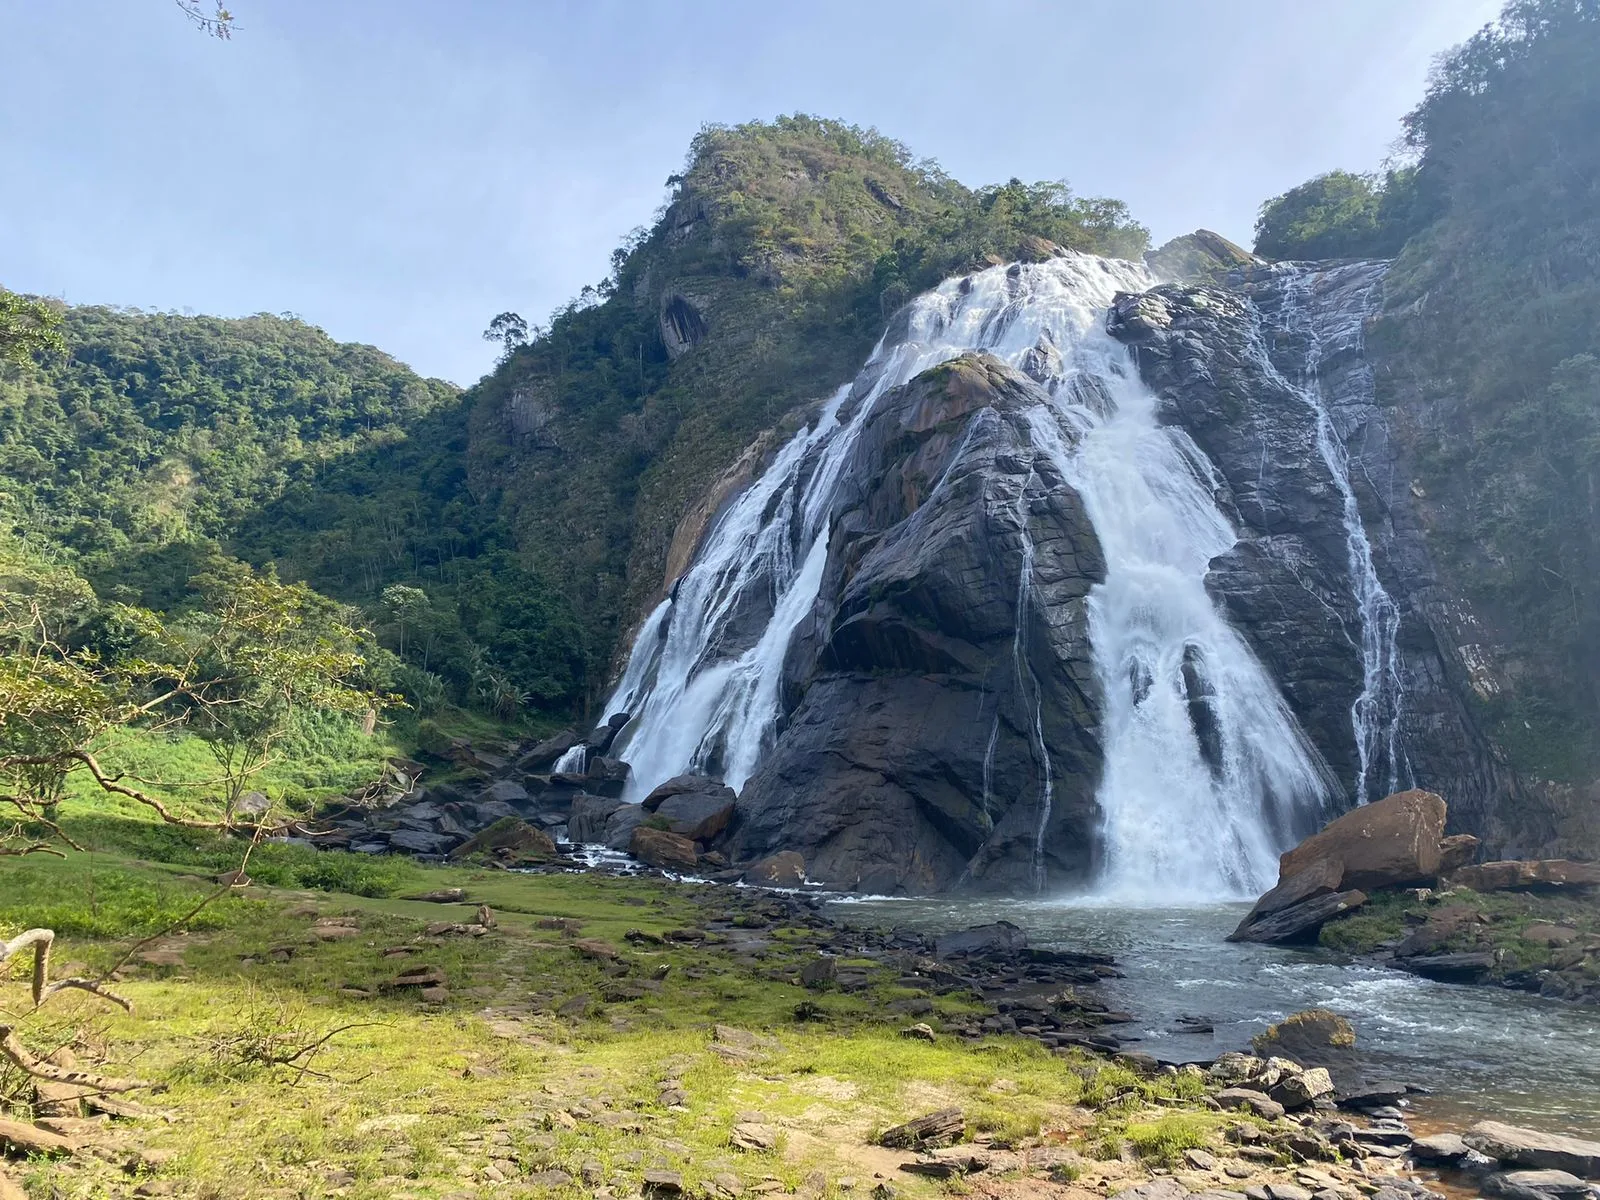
(1384, 881)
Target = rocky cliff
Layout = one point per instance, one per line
(969, 694)
(911, 758)
(1233, 367)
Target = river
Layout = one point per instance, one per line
(1481, 1052)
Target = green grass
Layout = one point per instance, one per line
(414, 1098)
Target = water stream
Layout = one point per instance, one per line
(1328, 329)
(1484, 1052)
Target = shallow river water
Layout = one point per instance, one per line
(1482, 1052)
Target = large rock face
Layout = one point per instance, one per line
(1391, 843)
(1229, 366)
(911, 761)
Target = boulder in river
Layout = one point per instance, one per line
(785, 869)
(700, 814)
(1301, 922)
(1307, 1036)
(1000, 938)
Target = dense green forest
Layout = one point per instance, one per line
(1493, 333)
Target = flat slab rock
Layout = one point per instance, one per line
(1530, 1148)
(1537, 1185)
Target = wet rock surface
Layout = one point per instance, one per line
(1226, 370)
(912, 762)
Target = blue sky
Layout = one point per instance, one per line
(398, 171)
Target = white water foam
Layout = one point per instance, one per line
(1187, 813)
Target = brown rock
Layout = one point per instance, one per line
(596, 949)
(1457, 851)
(786, 869)
(660, 848)
(1390, 843)
(1534, 873)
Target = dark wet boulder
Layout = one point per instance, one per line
(999, 939)
(1314, 1035)
(700, 815)
(599, 742)
(786, 869)
(543, 755)
(508, 791)
(414, 841)
(618, 832)
(1318, 878)
(1300, 922)
(680, 785)
(586, 821)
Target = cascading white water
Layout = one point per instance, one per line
(1187, 812)
(573, 762)
(1375, 715)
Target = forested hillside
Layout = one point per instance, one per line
(148, 448)
(776, 264)
(1493, 343)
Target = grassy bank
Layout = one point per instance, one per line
(1546, 942)
(597, 1032)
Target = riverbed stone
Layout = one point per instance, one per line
(1257, 1102)
(1300, 922)
(664, 849)
(1537, 1185)
(1519, 875)
(1531, 1148)
(1439, 1148)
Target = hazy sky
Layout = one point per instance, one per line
(398, 171)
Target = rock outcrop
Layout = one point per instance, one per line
(1392, 843)
(929, 685)
(1228, 365)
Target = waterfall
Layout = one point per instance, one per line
(573, 762)
(1205, 768)
(1336, 324)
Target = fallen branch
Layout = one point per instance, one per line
(11, 1046)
